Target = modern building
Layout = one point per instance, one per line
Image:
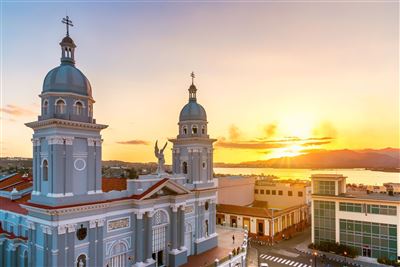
(67, 215)
(282, 194)
(365, 220)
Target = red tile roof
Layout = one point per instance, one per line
(109, 184)
(14, 205)
(104, 201)
(9, 183)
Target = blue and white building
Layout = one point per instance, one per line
(65, 217)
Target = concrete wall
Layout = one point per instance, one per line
(236, 190)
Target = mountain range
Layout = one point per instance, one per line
(387, 158)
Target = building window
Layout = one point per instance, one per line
(81, 261)
(206, 205)
(280, 192)
(78, 108)
(206, 228)
(90, 110)
(262, 191)
(274, 192)
(60, 106)
(268, 192)
(255, 191)
(203, 130)
(324, 187)
(204, 165)
(45, 170)
(184, 130)
(290, 193)
(184, 167)
(45, 107)
(300, 194)
(324, 221)
(194, 129)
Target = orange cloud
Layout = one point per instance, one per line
(133, 142)
(270, 129)
(234, 132)
(16, 111)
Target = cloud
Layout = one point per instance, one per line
(318, 143)
(270, 129)
(325, 128)
(248, 144)
(234, 132)
(265, 144)
(133, 142)
(16, 111)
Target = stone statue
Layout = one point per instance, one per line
(160, 156)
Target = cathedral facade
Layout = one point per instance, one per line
(64, 216)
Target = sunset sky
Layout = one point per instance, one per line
(276, 79)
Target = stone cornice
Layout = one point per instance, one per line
(64, 123)
(191, 140)
(46, 94)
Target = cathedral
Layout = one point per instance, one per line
(67, 214)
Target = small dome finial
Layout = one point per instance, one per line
(192, 89)
(192, 75)
(67, 45)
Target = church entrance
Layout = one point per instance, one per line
(160, 224)
(118, 256)
(159, 258)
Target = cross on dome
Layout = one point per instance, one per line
(67, 23)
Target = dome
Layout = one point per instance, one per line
(66, 78)
(193, 111)
(67, 40)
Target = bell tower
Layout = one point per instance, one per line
(193, 148)
(66, 140)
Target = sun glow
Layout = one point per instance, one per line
(291, 151)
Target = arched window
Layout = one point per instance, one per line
(204, 165)
(184, 130)
(45, 170)
(206, 228)
(194, 129)
(203, 130)
(184, 167)
(78, 108)
(45, 107)
(81, 261)
(90, 110)
(60, 106)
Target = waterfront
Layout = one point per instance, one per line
(358, 176)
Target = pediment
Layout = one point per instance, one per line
(165, 188)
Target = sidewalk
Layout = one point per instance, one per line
(225, 245)
(359, 261)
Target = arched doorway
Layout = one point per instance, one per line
(118, 255)
(160, 224)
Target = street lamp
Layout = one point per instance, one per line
(345, 258)
(315, 258)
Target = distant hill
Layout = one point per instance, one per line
(367, 158)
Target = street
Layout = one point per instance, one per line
(285, 254)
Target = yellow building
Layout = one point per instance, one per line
(282, 194)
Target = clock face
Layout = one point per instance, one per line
(80, 164)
